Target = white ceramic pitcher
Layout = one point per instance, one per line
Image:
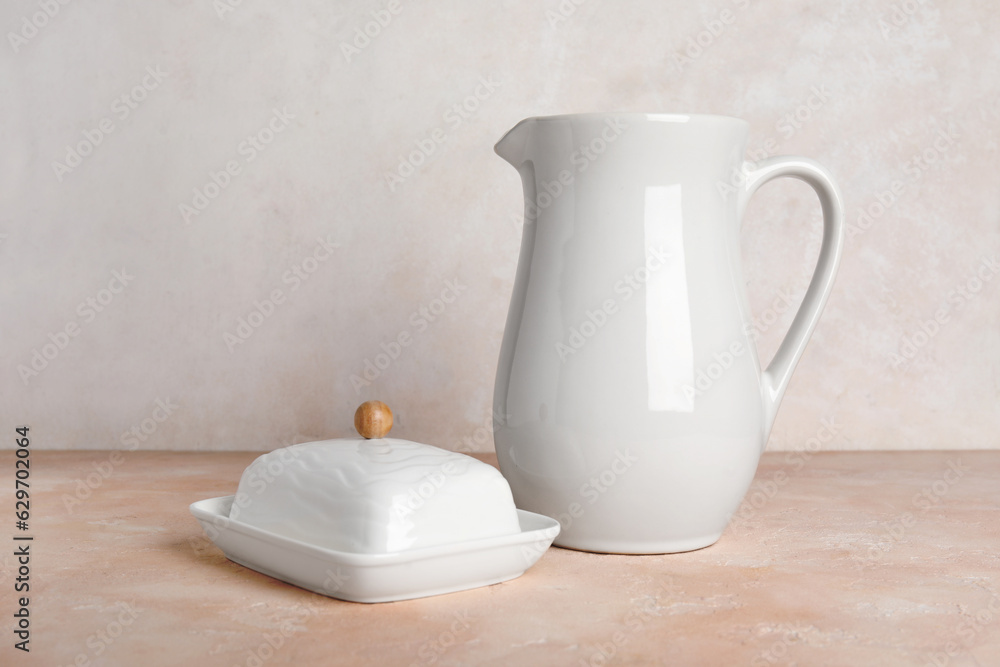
(629, 401)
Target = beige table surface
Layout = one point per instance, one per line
(837, 559)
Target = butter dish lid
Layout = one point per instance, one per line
(374, 495)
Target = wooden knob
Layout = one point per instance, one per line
(373, 419)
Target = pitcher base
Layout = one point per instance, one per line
(637, 548)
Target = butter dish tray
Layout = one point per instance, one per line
(377, 577)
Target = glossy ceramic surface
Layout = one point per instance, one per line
(629, 399)
(374, 496)
(358, 577)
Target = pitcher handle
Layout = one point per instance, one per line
(774, 379)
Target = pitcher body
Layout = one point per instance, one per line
(629, 401)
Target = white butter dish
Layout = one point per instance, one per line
(360, 577)
(375, 519)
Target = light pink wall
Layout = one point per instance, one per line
(866, 88)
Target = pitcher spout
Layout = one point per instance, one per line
(513, 146)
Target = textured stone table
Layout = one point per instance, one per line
(836, 559)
